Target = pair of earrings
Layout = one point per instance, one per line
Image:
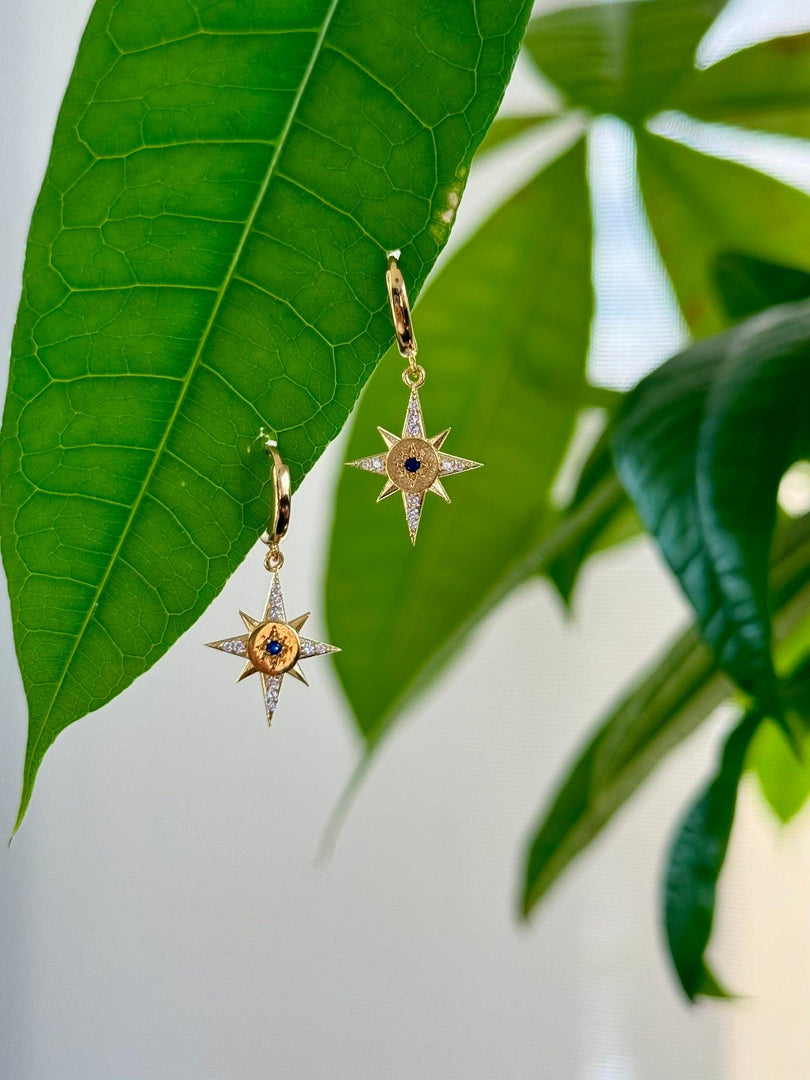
(411, 463)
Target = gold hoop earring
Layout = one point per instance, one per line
(273, 646)
(411, 463)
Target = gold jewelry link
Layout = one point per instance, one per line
(414, 376)
(274, 559)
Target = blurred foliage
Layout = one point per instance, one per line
(700, 445)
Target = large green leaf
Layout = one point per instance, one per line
(695, 862)
(503, 334)
(766, 86)
(701, 445)
(206, 261)
(701, 207)
(675, 696)
(756, 424)
(623, 57)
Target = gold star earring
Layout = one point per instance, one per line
(413, 463)
(272, 646)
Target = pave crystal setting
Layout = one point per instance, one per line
(414, 464)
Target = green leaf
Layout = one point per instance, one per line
(668, 703)
(783, 775)
(507, 128)
(678, 692)
(206, 261)
(617, 523)
(505, 363)
(747, 285)
(622, 58)
(694, 864)
(766, 87)
(699, 850)
(701, 207)
(700, 446)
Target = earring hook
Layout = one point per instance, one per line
(279, 520)
(400, 309)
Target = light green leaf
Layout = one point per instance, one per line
(507, 128)
(624, 57)
(206, 261)
(766, 87)
(504, 353)
(701, 445)
(695, 862)
(701, 207)
(678, 692)
(783, 775)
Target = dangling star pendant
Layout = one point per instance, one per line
(273, 647)
(414, 464)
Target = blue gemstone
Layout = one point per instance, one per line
(413, 464)
(274, 647)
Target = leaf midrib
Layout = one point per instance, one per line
(193, 367)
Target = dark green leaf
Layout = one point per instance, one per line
(701, 446)
(695, 862)
(679, 691)
(623, 57)
(504, 350)
(747, 285)
(699, 849)
(701, 207)
(766, 87)
(206, 260)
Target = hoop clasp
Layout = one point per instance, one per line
(400, 309)
(279, 520)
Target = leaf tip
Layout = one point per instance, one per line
(526, 905)
(25, 798)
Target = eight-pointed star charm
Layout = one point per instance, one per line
(273, 647)
(414, 464)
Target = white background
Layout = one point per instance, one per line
(162, 916)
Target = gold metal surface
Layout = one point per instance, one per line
(273, 646)
(434, 465)
(272, 636)
(279, 520)
(423, 460)
(400, 309)
(413, 463)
